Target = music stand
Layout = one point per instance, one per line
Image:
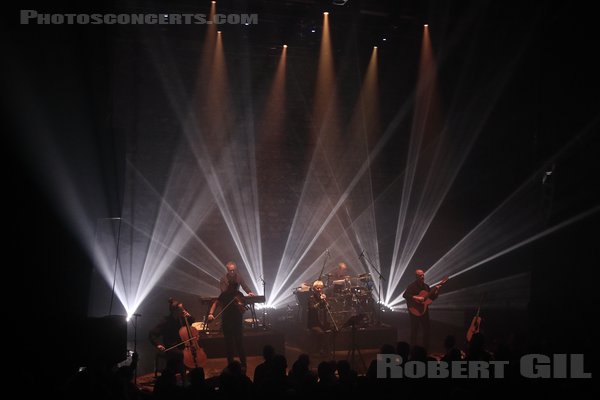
(352, 322)
(264, 319)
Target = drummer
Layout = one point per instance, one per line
(338, 280)
(341, 272)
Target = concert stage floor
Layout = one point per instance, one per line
(254, 341)
(364, 338)
(371, 337)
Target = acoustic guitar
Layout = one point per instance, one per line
(475, 323)
(418, 309)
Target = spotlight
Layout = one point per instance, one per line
(326, 13)
(339, 2)
(285, 46)
(129, 316)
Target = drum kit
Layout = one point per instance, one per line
(348, 296)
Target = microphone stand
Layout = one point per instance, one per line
(135, 322)
(264, 308)
(323, 267)
(335, 327)
(381, 277)
(112, 295)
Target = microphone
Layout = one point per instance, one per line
(362, 253)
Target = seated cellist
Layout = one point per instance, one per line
(166, 335)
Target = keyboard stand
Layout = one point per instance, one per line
(253, 314)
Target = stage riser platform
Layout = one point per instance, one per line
(369, 338)
(365, 338)
(254, 341)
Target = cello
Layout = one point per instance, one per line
(193, 354)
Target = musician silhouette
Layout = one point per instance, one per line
(231, 303)
(414, 300)
(316, 320)
(166, 334)
(340, 272)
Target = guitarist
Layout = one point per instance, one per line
(416, 294)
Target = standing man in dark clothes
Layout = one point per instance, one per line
(231, 302)
(415, 299)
